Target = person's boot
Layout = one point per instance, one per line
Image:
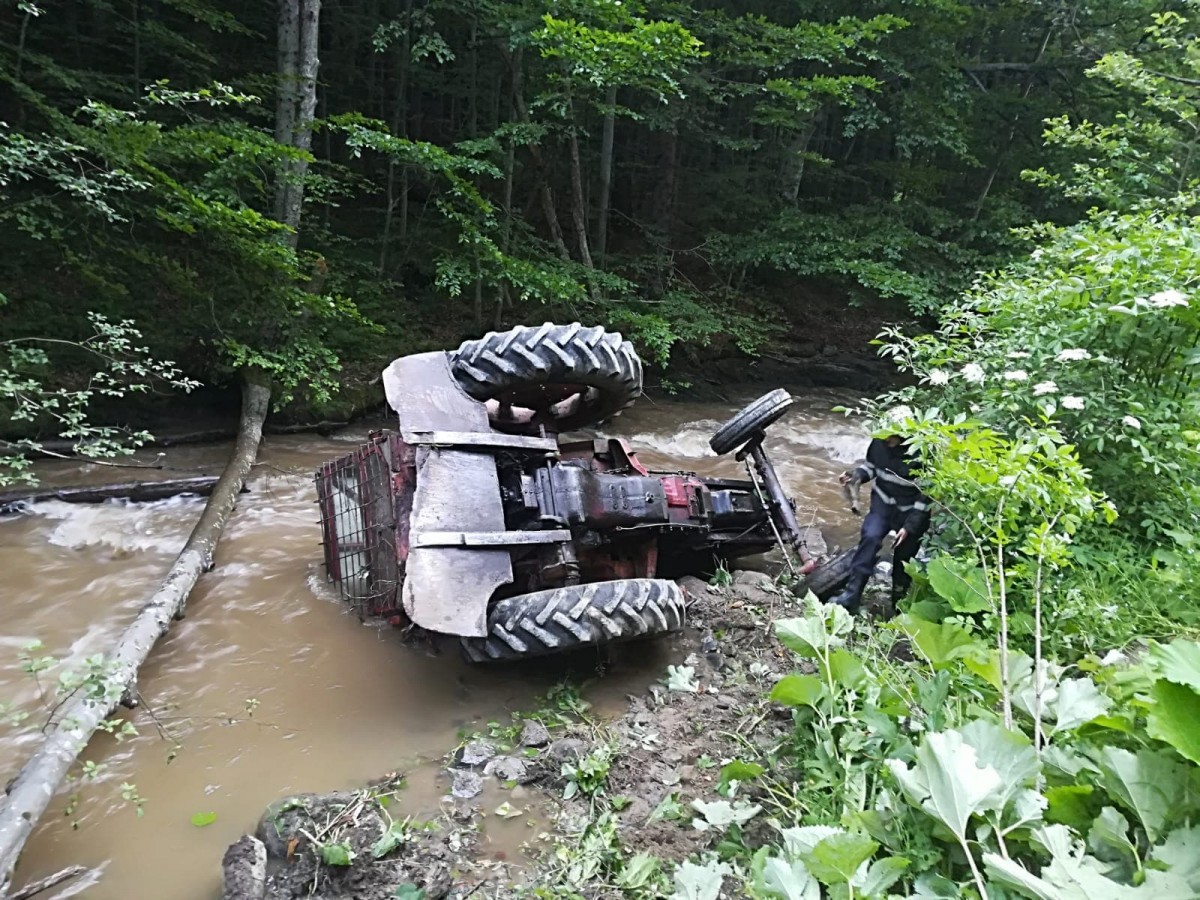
(851, 597)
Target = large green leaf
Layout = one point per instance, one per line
(1076, 702)
(693, 882)
(836, 859)
(940, 643)
(960, 583)
(880, 876)
(1071, 804)
(1010, 753)
(1181, 853)
(1175, 718)
(776, 877)
(1152, 785)
(1178, 661)
(847, 670)
(947, 782)
(798, 690)
(1072, 875)
(1108, 837)
(812, 635)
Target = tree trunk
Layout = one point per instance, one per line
(796, 161)
(136, 23)
(578, 201)
(400, 129)
(288, 55)
(545, 195)
(662, 212)
(299, 58)
(31, 791)
(137, 491)
(606, 171)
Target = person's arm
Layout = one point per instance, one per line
(863, 469)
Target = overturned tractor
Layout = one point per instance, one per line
(476, 519)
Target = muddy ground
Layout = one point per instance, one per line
(663, 752)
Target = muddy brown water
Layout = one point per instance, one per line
(336, 702)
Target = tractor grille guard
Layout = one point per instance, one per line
(360, 497)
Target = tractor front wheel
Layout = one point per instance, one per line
(583, 615)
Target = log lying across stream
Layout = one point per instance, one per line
(139, 491)
(29, 794)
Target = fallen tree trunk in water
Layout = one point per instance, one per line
(29, 794)
(138, 491)
(44, 884)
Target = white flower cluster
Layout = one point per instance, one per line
(1044, 387)
(1073, 354)
(973, 372)
(1164, 299)
(939, 377)
(1071, 402)
(1016, 375)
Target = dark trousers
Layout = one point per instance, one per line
(881, 519)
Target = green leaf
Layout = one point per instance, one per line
(836, 859)
(720, 814)
(339, 854)
(410, 892)
(737, 770)
(693, 882)
(947, 782)
(881, 875)
(960, 583)
(1178, 661)
(1175, 718)
(846, 669)
(1152, 785)
(798, 690)
(1071, 875)
(811, 635)
(638, 872)
(1009, 753)
(396, 834)
(1108, 837)
(940, 643)
(777, 877)
(1070, 805)
(201, 819)
(1181, 853)
(1076, 702)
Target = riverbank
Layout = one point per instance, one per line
(596, 795)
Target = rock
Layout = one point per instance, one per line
(507, 768)
(244, 870)
(284, 818)
(475, 753)
(694, 587)
(566, 749)
(466, 784)
(534, 734)
(687, 774)
(724, 701)
(814, 540)
(758, 580)
(637, 812)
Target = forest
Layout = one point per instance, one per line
(287, 196)
(315, 188)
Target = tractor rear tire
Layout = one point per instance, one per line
(573, 376)
(584, 615)
(831, 576)
(751, 421)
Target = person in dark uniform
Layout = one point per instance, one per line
(897, 504)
